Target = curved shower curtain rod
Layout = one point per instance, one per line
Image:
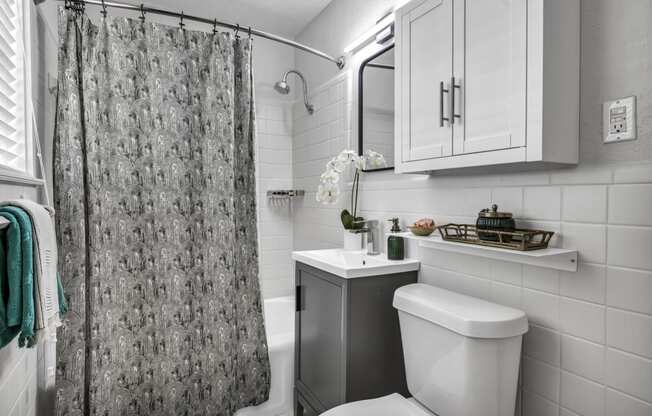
(339, 61)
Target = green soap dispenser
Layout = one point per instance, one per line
(395, 243)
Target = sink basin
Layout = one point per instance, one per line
(351, 264)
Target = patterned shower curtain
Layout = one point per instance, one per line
(156, 220)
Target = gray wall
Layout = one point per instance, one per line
(616, 61)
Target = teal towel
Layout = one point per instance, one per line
(17, 278)
(4, 285)
(10, 280)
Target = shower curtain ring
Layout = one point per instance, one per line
(103, 9)
(142, 13)
(79, 6)
(237, 30)
(215, 27)
(249, 32)
(181, 25)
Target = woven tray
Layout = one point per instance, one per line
(519, 239)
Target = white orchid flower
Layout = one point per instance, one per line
(336, 165)
(375, 159)
(347, 156)
(327, 193)
(351, 156)
(330, 176)
(328, 190)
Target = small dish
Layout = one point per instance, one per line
(421, 231)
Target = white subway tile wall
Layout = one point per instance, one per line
(274, 171)
(18, 372)
(589, 348)
(582, 357)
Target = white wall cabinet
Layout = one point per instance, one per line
(486, 82)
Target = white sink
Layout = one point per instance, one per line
(351, 264)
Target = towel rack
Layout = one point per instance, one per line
(4, 223)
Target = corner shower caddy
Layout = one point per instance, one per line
(285, 194)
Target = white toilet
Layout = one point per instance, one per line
(461, 357)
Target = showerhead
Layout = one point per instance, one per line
(282, 87)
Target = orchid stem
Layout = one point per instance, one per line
(352, 195)
(356, 184)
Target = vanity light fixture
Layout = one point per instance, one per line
(385, 35)
(381, 25)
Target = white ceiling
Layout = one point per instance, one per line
(282, 17)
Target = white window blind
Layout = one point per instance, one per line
(14, 147)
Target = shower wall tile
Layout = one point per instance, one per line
(543, 344)
(509, 200)
(541, 378)
(508, 295)
(534, 404)
(582, 357)
(618, 403)
(542, 308)
(629, 373)
(588, 283)
(542, 203)
(582, 319)
(274, 165)
(540, 278)
(591, 238)
(585, 204)
(630, 332)
(630, 204)
(582, 396)
(629, 289)
(630, 247)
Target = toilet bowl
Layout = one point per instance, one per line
(461, 357)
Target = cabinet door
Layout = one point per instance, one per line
(490, 38)
(426, 58)
(320, 337)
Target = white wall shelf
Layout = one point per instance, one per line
(551, 258)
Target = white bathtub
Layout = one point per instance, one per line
(279, 323)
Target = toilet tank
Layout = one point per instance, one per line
(461, 353)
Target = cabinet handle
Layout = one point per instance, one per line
(453, 87)
(297, 299)
(442, 90)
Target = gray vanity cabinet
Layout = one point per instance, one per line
(347, 339)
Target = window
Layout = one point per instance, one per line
(15, 121)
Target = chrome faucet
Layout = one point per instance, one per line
(372, 229)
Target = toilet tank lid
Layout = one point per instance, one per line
(463, 314)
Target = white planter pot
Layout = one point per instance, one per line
(353, 241)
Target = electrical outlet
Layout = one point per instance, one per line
(619, 120)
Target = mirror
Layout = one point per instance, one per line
(376, 106)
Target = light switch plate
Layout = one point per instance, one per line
(619, 120)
